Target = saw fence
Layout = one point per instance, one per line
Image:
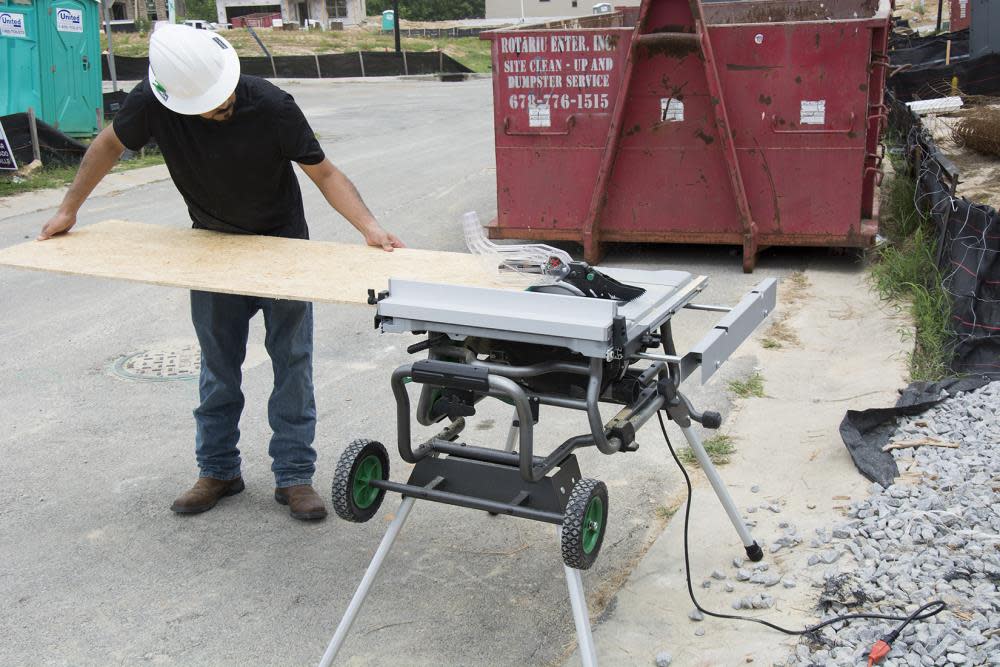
(749, 123)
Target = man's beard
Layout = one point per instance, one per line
(225, 113)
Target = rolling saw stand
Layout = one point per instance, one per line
(584, 338)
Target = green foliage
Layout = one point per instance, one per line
(899, 217)
(472, 52)
(202, 9)
(905, 272)
(719, 449)
(664, 512)
(753, 385)
(432, 10)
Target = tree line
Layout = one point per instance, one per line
(432, 10)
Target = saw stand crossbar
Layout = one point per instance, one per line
(667, 398)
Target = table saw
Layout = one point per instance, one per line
(580, 337)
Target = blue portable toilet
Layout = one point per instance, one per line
(388, 20)
(50, 60)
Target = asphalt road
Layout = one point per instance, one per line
(94, 568)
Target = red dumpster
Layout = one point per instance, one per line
(754, 123)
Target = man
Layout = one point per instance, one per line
(229, 141)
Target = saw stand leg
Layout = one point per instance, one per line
(588, 656)
(681, 412)
(366, 582)
(754, 552)
(574, 583)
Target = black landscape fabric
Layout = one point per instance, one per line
(968, 249)
(976, 76)
(865, 432)
(926, 50)
(54, 146)
(327, 66)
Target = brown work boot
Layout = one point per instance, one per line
(205, 493)
(303, 502)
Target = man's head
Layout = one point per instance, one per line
(193, 72)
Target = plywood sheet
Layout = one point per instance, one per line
(236, 264)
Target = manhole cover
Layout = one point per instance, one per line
(158, 365)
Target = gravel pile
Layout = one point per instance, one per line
(934, 534)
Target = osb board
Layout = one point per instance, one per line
(237, 264)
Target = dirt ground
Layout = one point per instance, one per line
(922, 14)
(979, 174)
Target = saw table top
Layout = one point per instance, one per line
(577, 323)
(263, 266)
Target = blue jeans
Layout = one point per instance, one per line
(222, 322)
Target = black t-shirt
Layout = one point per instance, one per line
(235, 175)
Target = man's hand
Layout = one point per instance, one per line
(379, 238)
(101, 155)
(60, 223)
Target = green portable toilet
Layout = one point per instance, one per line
(50, 60)
(388, 20)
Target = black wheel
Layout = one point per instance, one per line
(354, 498)
(584, 521)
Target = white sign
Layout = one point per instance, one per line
(671, 110)
(812, 112)
(69, 20)
(539, 115)
(12, 25)
(962, 8)
(6, 154)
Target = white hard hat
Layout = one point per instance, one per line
(191, 71)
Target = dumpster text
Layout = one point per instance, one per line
(544, 73)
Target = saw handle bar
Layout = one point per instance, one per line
(450, 374)
(498, 381)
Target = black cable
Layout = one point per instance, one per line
(936, 607)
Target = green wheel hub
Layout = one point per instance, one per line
(363, 493)
(593, 520)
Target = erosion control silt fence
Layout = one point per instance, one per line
(968, 249)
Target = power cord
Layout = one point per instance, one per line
(881, 648)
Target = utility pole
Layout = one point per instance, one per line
(395, 23)
(111, 48)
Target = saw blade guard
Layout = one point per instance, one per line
(513, 262)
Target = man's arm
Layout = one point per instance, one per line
(100, 157)
(343, 196)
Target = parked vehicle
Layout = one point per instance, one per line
(200, 24)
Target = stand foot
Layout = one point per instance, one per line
(754, 552)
